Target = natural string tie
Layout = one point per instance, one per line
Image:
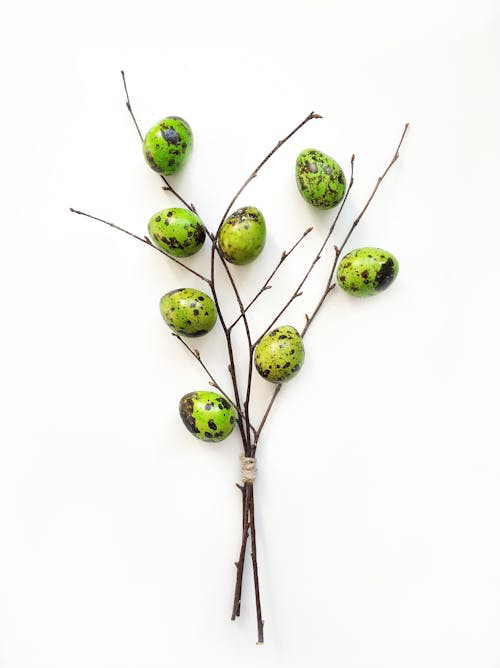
(248, 469)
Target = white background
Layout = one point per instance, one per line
(378, 493)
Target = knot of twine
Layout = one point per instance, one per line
(248, 469)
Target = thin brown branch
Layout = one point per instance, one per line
(308, 118)
(168, 186)
(215, 247)
(294, 296)
(241, 560)
(277, 390)
(196, 354)
(129, 107)
(338, 250)
(260, 622)
(144, 240)
(316, 259)
(248, 447)
(266, 285)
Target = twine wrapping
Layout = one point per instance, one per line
(248, 469)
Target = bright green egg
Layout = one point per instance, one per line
(242, 236)
(188, 312)
(168, 145)
(367, 271)
(279, 355)
(207, 415)
(179, 232)
(320, 179)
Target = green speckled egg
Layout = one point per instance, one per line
(320, 180)
(178, 232)
(207, 415)
(242, 235)
(366, 271)
(188, 312)
(168, 145)
(279, 355)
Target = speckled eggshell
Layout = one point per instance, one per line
(207, 415)
(179, 232)
(367, 271)
(320, 180)
(168, 145)
(188, 312)
(242, 236)
(279, 355)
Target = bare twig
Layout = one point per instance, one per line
(266, 285)
(338, 250)
(248, 447)
(239, 564)
(277, 390)
(316, 259)
(260, 622)
(144, 240)
(129, 107)
(215, 249)
(308, 118)
(196, 354)
(167, 186)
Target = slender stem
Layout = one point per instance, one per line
(308, 118)
(277, 390)
(266, 285)
(338, 251)
(329, 286)
(167, 187)
(260, 622)
(129, 107)
(144, 240)
(241, 561)
(249, 341)
(316, 259)
(215, 249)
(248, 447)
(229, 344)
(196, 354)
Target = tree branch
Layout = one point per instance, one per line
(167, 186)
(308, 118)
(145, 240)
(266, 285)
(338, 251)
(329, 286)
(196, 354)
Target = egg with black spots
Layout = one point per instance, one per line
(168, 145)
(242, 236)
(207, 415)
(179, 232)
(365, 272)
(279, 355)
(320, 179)
(188, 312)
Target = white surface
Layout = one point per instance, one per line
(378, 496)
